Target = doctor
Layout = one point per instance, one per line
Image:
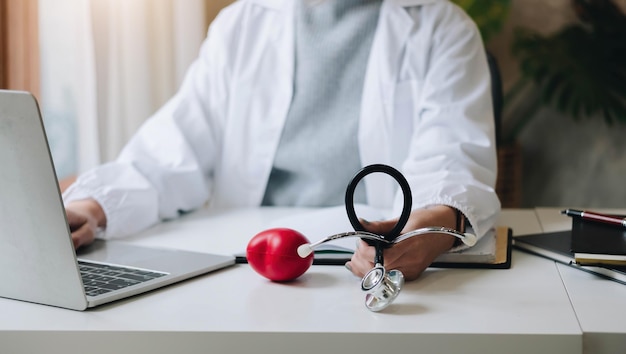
(288, 99)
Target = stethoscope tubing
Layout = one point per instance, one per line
(467, 238)
(406, 208)
(406, 192)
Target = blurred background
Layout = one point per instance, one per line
(101, 67)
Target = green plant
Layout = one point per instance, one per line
(579, 71)
(489, 15)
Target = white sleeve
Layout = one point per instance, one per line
(167, 166)
(452, 159)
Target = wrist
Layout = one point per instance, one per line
(92, 208)
(451, 218)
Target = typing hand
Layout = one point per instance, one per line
(84, 217)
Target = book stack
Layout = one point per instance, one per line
(595, 243)
(593, 246)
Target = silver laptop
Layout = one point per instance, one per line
(38, 262)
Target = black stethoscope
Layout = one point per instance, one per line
(381, 286)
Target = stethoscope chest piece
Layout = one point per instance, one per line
(382, 287)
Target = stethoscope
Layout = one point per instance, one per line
(381, 286)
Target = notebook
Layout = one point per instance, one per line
(38, 262)
(557, 246)
(493, 250)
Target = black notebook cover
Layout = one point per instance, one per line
(557, 246)
(597, 238)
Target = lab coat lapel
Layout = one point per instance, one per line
(262, 104)
(279, 82)
(394, 27)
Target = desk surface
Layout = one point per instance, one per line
(525, 309)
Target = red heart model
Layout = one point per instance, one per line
(273, 253)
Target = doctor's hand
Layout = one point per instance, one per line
(84, 218)
(411, 256)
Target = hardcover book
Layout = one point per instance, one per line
(597, 243)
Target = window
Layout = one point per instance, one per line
(69, 54)
(19, 45)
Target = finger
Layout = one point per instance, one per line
(75, 221)
(350, 267)
(82, 236)
(362, 259)
(359, 266)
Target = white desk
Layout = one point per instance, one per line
(524, 309)
(600, 304)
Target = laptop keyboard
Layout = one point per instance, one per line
(100, 278)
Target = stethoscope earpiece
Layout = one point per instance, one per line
(304, 250)
(469, 239)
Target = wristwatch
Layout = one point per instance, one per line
(460, 226)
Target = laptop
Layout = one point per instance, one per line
(38, 262)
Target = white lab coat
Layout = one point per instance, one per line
(426, 109)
